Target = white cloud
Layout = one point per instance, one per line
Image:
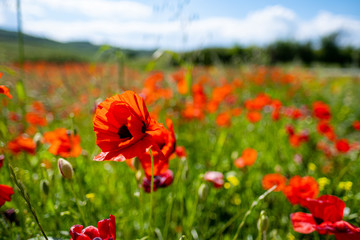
(134, 25)
(326, 23)
(2, 18)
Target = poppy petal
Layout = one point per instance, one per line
(303, 222)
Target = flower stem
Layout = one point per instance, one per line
(77, 203)
(151, 193)
(254, 204)
(26, 197)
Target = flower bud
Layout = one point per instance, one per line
(65, 168)
(44, 186)
(2, 158)
(203, 191)
(263, 222)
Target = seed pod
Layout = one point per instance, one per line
(65, 168)
(44, 186)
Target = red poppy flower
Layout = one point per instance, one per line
(63, 143)
(216, 178)
(35, 119)
(342, 145)
(326, 218)
(5, 194)
(192, 112)
(199, 96)
(275, 115)
(4, 90)
(179, 78)
(106, 230)
(324, 128)
(247, 158)
(301, 188)
(356, 125)
(290, 130)
(122, 125)
(223, 119)
(256, 104)
(321, 110)
(236, 112)
(124, 130)
(160, 181)
(180, 151)
(328, 208)
(253, 116)
(22, 143)
(269, 180)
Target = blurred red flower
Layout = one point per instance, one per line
(179, 78)
(36, 119)
(321, 110)
(37, 116)
(342, 145)
(269, 180)
(324, 128)
(162, 180)
(5, 194)
(180, 151)
(216, 178)
(223, 119)
(63, 143)
(106, 230)
(247, 158)
(253, 116)
(301, 188)
(356, 125)
(22, 143)
(4, 90)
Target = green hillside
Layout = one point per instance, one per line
(38, 49)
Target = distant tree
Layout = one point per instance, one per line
(330, 49)
(282, 51)
(305, 53)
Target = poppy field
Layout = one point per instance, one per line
(251, 152)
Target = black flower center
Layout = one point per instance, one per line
(318, 220)
(143, 128)
(124, 132)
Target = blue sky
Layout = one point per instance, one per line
(185, 24)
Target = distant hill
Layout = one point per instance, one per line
(42, 49)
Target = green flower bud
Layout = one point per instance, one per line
(263, 222)
(65, 168)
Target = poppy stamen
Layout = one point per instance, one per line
(124, 132)
(318, 220)
(143, 128)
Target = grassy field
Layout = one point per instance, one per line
(214, 112)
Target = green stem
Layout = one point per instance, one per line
(151, 193)
(193, 213)
(168, 216)
(77, 203)
(254, 204)
(26, 197)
